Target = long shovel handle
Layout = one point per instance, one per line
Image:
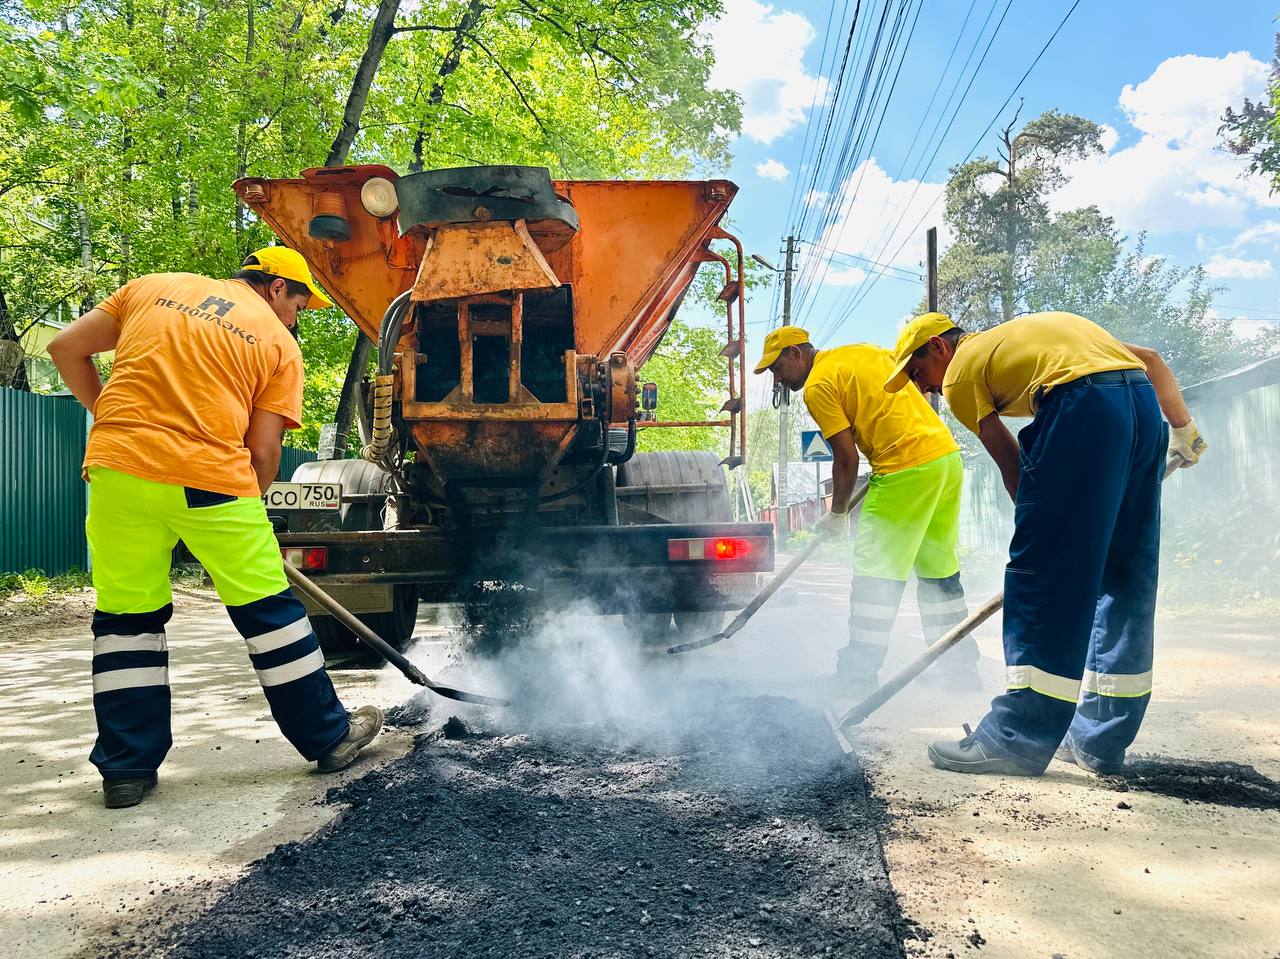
(904, 676)
(381, 646)
(770, 588)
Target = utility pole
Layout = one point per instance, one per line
(931, 284)
(784, 405)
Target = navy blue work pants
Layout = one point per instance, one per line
(1080, 587)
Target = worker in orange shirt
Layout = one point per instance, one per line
(185, 439)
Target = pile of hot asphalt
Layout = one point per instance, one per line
(727, 826)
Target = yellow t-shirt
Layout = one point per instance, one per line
(1007, 368)
(195, 357)
(894, 431)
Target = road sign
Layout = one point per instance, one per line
(814, 448)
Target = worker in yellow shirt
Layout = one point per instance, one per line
(1080, 587)
(910, 519)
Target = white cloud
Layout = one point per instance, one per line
(1234, 268)
(771, 169)
(759, 53)
(845, 277)
(880, 214)
(1175, 177)
(815, 197)
(1266, 233)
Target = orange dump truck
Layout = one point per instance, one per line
(511, 314)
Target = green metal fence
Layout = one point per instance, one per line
(42, 498)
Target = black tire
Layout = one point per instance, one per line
(649, 629)
(709, 505)
(680, 467)
(396, 624)
(697, 624)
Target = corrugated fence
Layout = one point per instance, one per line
(42, 498)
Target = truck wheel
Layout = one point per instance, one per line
(697, 625)
(649, 629)
(359, 476)
(395, 625)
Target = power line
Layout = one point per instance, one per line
(978, 142)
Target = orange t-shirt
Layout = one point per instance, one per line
(195, 357)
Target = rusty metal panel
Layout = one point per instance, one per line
(637, 249)
(42, 497)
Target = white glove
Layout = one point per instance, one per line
(1186, 443)
(833, 525)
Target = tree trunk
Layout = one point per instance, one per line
(1007, 292)
(242, 132)
(11, 351)
(86, 258)
(379, 36)
(447, 66)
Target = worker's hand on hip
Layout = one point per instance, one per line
(1186, 443)
(833, 525)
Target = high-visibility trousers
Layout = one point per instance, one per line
(132, 526)
(1080, 587)
(910, 520)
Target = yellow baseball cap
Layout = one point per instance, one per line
(913, 336)
(777, 341)
(289, 265)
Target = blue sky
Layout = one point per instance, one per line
(1156, 74)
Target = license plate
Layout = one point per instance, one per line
(303, 496)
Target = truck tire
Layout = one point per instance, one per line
(396, 624)
(707, 505)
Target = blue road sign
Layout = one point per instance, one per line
(814, 448)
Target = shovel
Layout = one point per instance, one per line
(909, 672)
(381, 646)
(774, 584)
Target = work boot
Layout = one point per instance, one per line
(123, 793)
(968, 756)
(365, 723)
(1066, 753)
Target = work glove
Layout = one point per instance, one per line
(834, 525)
(1186, 443)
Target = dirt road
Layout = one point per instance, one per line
(682, 772)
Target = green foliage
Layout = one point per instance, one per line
(692, 380)
(38, 588)
(123, 125)
(1253, 129)
(1012, 255)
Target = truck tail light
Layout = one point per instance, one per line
(714, 548)
(306, 557)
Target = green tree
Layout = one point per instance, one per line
(999, 211)
(1013, 255)
(101, 181)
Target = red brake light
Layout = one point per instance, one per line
(306, 557)
(732, 548)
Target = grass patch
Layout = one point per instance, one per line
(38, 587)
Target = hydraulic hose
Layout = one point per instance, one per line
(382, 436)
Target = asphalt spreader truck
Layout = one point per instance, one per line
(511, 314)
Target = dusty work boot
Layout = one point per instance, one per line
(968, 756)
(366, 723)
(123, 793)
(1067, 753)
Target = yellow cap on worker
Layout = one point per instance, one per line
(913, 336)
(289, 265)
(777, 341)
